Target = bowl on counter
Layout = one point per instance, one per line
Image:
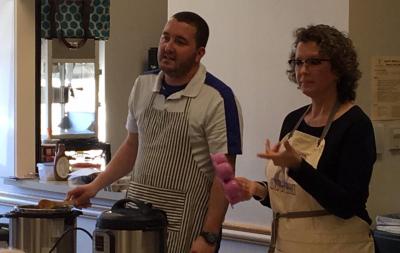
(46, 171)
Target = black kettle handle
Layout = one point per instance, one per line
(121, 204)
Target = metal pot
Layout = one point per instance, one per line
(124, 229)
(36, 230)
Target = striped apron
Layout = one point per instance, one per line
(167, 176)
(304, 225)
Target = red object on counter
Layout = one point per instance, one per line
(47, 152)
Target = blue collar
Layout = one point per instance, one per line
(168, 90)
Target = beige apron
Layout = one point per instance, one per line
(167, 175)
(304, 225)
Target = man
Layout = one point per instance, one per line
(177, 117)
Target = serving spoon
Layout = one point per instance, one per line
(50, 204)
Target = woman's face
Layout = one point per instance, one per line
(314, 74)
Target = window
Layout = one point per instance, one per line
(72, 101)
(7, 88)
(17, 86)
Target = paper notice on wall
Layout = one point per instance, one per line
(385, 88)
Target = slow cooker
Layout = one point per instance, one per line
(37, 230)
(127, 229)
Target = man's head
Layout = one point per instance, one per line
(202, 30)
(181, 47)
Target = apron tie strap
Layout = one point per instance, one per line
(290, 215)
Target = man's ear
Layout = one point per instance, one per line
(201, 51)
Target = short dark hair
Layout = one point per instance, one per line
(202, 31)
(336, 46)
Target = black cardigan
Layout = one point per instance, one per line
(340, 182)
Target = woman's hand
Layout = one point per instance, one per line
(287, 157)
(249, 188)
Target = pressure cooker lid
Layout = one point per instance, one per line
(33, 211)
(143, 217)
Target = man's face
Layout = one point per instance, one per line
(178, 54)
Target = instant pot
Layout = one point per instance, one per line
(36, 230)
(126, 229)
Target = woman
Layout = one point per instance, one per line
(318, 177)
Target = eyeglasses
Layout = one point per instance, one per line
(309, 61)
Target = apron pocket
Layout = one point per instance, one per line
(170, 201)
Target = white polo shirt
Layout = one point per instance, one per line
(215, 118)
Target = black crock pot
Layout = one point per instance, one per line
(126, 229)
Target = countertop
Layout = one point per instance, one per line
(30, 191)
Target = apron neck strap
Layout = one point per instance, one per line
(328, 123)
(299, 121)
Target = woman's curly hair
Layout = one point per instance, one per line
(337, 47)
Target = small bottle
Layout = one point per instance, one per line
(61, 163)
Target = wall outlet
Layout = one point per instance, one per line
(379, 131)
(394, 138)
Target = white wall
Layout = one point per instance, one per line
(7, 99)
(135, 27)
(248, 49)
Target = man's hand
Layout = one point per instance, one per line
(81, 195)
(201, 246)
